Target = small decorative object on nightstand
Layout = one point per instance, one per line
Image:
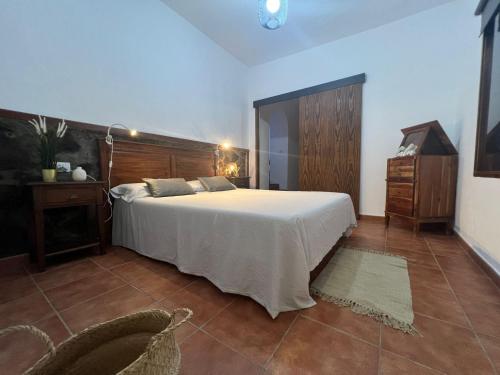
(242, 182)
(67, 194)
(79, 174)
(49, 139)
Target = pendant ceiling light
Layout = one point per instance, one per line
(273, 13)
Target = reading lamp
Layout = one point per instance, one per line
(221, 160)
(109, 138)
(109, 141)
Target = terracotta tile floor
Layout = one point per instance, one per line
(457, 311)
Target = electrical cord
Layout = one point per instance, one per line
(109, 141)
(108, 198)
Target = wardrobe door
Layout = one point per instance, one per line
(330, 141)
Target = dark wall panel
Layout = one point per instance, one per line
(19, 164)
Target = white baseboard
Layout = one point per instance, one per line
(483, 254)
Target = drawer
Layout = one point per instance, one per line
(70, 195)
(399, 190)
(401, 168)
(401, 206)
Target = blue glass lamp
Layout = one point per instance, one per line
(273, 13)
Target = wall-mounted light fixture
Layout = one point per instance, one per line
(221, 157)
(109, 138)
(226, 145)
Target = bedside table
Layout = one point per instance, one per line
(65, 194)
(242, 182)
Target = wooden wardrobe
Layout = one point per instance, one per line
(330, 141)
(421, 188)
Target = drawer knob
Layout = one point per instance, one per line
(73, 196)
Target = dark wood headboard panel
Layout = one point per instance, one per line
(132, 161)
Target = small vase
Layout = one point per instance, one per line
(49, 175)
(79, 174)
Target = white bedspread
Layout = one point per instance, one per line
(257, 243)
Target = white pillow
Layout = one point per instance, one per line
(130, 192)
(196, 185)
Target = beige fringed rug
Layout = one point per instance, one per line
(370, 283)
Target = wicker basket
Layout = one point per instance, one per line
(140, 343)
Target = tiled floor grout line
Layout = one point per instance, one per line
(217, 313)
(379, 367)
(467, 255)
(466, 315)
(293, 323)
(268, 361)
(380, 328)
(18, 298)
(58, 267)
(415, 362)
(230, 348)
(91, 298)
(489, 280)
(470, 328)
(126, 283)
(52, 306)
(340, 331)
(466, 251)
(196, 329)
(88, 299)
(449, 285)
(166, 297)
(75, 280)
(129, 283)
(443, 321)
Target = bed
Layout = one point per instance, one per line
(259, 243)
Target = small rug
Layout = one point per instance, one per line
(370, 283)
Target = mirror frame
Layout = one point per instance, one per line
(484, 98)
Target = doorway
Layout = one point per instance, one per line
(279, 140)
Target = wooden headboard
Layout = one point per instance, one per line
(133, 161)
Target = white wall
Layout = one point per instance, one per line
(130, 61)
(478, 198)
(420, 68)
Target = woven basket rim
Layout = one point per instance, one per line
(86, 340)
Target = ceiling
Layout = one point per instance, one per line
(234, 25)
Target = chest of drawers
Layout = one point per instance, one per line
(422, 189)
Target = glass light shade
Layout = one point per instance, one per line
(232, 169)
(273, 13)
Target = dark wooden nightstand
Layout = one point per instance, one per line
(66, 194)
(240, 182)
